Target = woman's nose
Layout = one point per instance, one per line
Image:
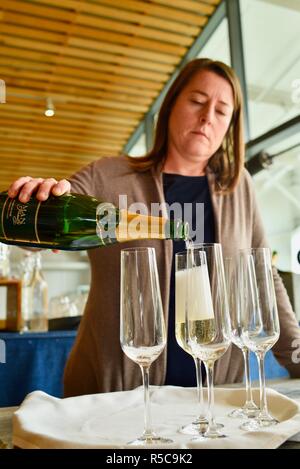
(206, 114)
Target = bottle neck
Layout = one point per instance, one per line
(137, 226)
(119, 225)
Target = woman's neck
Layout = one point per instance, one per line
(184, 167)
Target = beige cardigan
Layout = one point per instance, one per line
(97, 362)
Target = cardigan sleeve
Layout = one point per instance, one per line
(285, 348)
(82, 182)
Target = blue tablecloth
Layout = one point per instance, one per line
(273, 369)
(33, 361)
(37, 360)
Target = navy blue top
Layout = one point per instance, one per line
(193, 190)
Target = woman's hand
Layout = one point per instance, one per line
(24, 187)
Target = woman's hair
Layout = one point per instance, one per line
(228, 160)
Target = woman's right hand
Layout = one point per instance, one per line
(24, 187)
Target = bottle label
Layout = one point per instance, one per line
(19, 221)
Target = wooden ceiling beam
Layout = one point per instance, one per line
(93, 33)
(57, 121)
(43, 153)
(64, 147)
(28, 168)
(41, 158)
(189, 5)
(38, 10)
(106, 12)
(70, 67)
(59, 140)
(30, 135)
(101, 76)
(76, 98)
(88, 89)
(104, 23)
(29, 128)
(160, 60)
(42, 88)
(161, 12)
(101, 116)
(137, 30)
(64, 50)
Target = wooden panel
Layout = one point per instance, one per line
(138, 30)
(63, 97)
(92, 33)
(189, 5)
(116, 12)
(161, 12)
(24, 127)
(78, 52)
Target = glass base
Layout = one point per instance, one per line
(212, 434)
(261, 421)
(198, 427)
(146, 440)
(244, 412)
(195, 428)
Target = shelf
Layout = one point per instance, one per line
(65, 265)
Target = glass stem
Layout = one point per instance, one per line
(262, 382)
(246, 355)
(199, 387)
(209, 366)
(147, 415)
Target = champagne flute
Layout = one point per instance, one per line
(142, 326)
(181, 279)
(261, 328)
(208, 320)
(234, 291)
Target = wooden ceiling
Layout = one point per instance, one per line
(102, 62)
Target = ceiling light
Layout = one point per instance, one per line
(50, 110)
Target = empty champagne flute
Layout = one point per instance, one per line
(142, 325)
(234, 292)
(208, 320)
(261, 328)
(181, 278)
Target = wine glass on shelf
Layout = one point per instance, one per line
(142, 326)
(208, 321)
(260, 330)
(234, 292)
(181, 278)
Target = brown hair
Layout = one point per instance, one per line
(228, 160)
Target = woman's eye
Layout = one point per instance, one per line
(197, 102)
(221, 113)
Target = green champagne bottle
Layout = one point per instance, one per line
(77, 222)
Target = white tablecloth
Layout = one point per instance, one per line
(111, 420)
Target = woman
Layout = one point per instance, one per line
(197, 156)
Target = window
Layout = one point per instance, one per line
(217, 47)
(139, 149)
(278, 194)
(272, 61)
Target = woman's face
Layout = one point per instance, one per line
(200, 117)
